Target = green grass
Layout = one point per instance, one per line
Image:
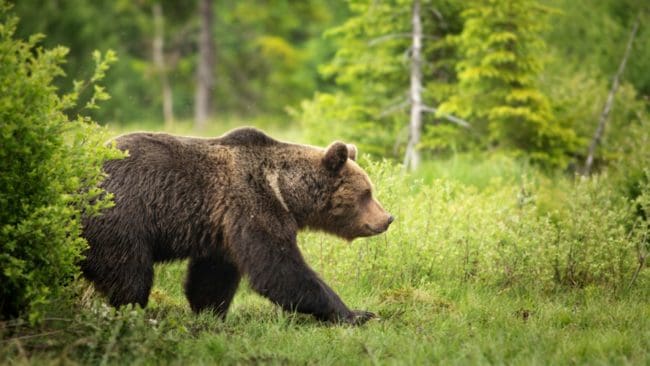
(448, 323)
(487, 263)
(441, 323)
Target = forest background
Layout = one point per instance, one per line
(510, 138)
(512, 70)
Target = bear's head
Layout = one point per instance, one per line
(348, 207)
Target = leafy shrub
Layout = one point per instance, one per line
(49, 166)
(593, 241)
(631, 148)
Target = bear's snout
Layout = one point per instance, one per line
(387, 223)
(376, 227)
(375, 220)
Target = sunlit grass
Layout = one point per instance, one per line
(436, 322)
(447, 323)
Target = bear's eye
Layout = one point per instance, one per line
(366, 195)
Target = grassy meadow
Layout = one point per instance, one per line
(488, 262)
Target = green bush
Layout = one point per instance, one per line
(50, 165)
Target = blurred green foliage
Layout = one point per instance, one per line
(50, 166)
(266, 59)
(530, 76)
(591, 36)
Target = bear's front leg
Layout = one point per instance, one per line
(277, 271)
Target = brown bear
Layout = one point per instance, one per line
(232, 205)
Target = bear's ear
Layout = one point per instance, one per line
(352, 152)
(335, 156)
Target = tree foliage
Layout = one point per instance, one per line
(501, 58)
(50, 166)
(497, 64)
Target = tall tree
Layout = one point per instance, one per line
(412, 156)
(205, 68)
(160, 65)
(600, 130)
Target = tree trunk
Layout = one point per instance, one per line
(600, 130)
(412, 156)
(204, 74)
(159, 65)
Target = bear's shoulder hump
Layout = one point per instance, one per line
(247, 136)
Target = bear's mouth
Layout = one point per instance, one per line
(371, 230)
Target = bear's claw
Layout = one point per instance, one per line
(359, 317)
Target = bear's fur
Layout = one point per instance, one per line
(232, 205)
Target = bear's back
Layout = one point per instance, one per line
(158, 146)
(165, 182)
(164, 151)
(247, 136)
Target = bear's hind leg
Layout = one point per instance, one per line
(131, 286)
(211, 284)
(126, 283)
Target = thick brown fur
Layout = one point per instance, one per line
(233, 205)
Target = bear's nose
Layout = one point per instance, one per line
(390, 219)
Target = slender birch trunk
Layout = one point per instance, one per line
(600, 130)
(204, 74)
(412, 156)
(159, 64)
